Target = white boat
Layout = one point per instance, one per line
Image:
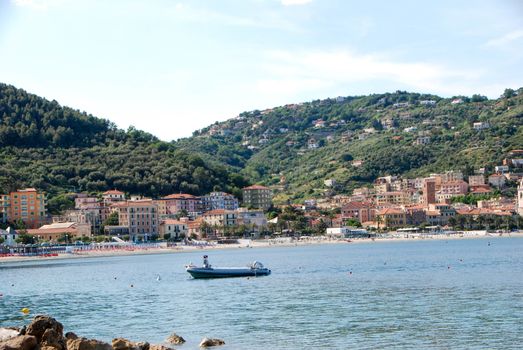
(207, 271)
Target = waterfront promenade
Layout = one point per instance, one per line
(115, 249)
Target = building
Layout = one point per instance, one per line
(501, 168)
(481, 125)
(27, 205)
(422, 140)
(429, 191)
(219, 200)
(219, 219)
(113, 196)
(312, 144)
(82, 200)
(497, 180)
(68, 231)
(9, 235)
(519, 201)
(390, 198)
(254, 219)
(476, 180)
(5, 202)
(361, 211)
(175, 229)
(391, 217)
(451, 189)
(140, 217)
(93, 216)
(175, 203)
(256, 196)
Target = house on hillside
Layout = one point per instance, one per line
(481, 125)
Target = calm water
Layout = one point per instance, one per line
(399, 295)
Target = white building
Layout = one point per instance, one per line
(9, 236)
(219, 200)
(481, 125)
(519, 202)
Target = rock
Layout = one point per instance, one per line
(40, 324)
(160, 347)
(124, 344)
(21, 342)
(70, 335)
(86, 344)
(207, 342)
(175, 339)
(143, 345)
(8, 333)
(51, 339)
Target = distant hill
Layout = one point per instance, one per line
(292, 148)
(353, 140)
(58, 149)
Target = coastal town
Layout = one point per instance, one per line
(437, 203)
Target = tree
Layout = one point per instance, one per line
(508, 93)
(182, 214)
(321, 228)
(24, 238)
(112, 219)
(352, 222)
(478, 98)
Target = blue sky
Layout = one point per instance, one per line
(170, 67)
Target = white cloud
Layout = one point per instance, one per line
(295, 2)
(505, 39)
(323, 72)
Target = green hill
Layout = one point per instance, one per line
(271, 146)
(58, 150)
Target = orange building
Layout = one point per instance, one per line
(29, 206)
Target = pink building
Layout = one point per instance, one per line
(361, 211)
(174, 203)
(454, 187)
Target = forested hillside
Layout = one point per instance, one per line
(353, 140)
(58, 150)
(292, 148)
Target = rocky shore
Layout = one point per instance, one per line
(46, 333)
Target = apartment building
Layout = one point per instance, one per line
(27, 205)
(257, 196)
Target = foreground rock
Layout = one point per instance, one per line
(160, 347)
(86, 344)
(21, 342)
(42, 324)
(124, 344)
(175, 339)
(208, 342)
(8, 333)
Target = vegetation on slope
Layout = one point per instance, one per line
(58, 149)
(271, 146)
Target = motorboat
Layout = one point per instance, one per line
(207, 271)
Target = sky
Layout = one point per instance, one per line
(171, 67)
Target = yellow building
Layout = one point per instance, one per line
(27, 205)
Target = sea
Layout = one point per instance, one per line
(422, 294)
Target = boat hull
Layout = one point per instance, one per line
(202, 272)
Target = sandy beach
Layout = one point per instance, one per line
(245, 244)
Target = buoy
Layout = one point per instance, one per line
(25, 311)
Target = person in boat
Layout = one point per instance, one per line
(206, 261)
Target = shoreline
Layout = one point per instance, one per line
(251, 244)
